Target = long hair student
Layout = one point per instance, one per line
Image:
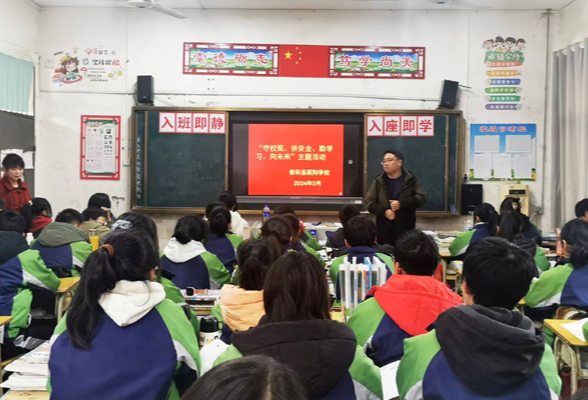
(37, 215)
(485, 225)
(221, 241)
(529, 230)
(278, 230)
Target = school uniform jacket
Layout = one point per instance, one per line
(303, 247)
(63, 248)
(238, 224)
(465, 239)
(405, 307)
(193, 266)
(323, 352)
(173, 293)
(478, 353)
(143, 349)
(360, 253)
(563, 285)
(309, 241)
(14, 197)
(225, 248)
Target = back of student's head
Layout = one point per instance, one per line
(11, 221)
(70, 216)
(417, 253)
(211, 206)
(99, 200)
(136, 221)
(255, 258)
(360, 231)
(127, 254)
(278, 230)
(486, 212)
(347, 212)
(229, 200)
(93, 213)
(511, 224)
(191, 227)
(295, 225)
(296, 289)
(497, 273)
(582, 208)
(249, 378)
(282, 209)
(219, 220)
(575, 235)
(511, 204)
(12, 161)
(36, 207)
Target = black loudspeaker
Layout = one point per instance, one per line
(145, 89)
(449, 94)
(471, 197)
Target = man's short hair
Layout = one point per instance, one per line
(582, 208)
(360, 231)
(397, 153)
(93, 213)
(70, 216)
(417, 253)
(11, 221)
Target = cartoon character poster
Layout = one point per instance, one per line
(92, 64)
(501, 50)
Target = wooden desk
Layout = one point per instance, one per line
(556, 326)
(28, 395)
(64, 293)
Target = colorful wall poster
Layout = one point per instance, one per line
(503, 152)
(304, 61)
(93, 64)
(100, 152)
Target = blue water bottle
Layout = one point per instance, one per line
(266, 212)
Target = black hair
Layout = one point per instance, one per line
(296, 289)
(347, 212)
(211, 206)
(282, 209)
(417, 253)
(249, 378)
(295, 225)
(33, 209)
(511, 224)
(277, 230)
(511, 40)
(581, 208)
(142, 222)
(255, 259)
(511, 204)
(134, 257)
(499, 39)
(229, 200)
(99, 200)
(487, 213)
(93, 213)
(360, 231)
(397, 153)
(191, 227)
(11, 221)
(70, 216)
(12, 161)
(498, 273)
(575, 233)
(219, 220)
(2, 205)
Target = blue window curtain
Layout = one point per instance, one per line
(16, 81)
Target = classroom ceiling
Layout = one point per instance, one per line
(518, 5)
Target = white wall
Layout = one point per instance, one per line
(19, 29)
(152, 44)
(572, 25)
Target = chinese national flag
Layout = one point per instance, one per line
(304, 61)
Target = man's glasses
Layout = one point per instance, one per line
(388, 161)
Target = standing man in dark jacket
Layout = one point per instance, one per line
(394, 197)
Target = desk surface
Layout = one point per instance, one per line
(556, 325)
(67, 284)
(5, 320)
(444, 255)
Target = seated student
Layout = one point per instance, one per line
(582, 209)
(63, 246)
(360, 236)
(529, 230)
(485, 223)
(221, 241)
(241, 307)
(37, 215)
(188, 260)
(22, 276)
(238, 223)
(102, 201)
(305, 237)
(297, 245)
(511, 229)
(297, 330)
(407, 305)
(278, 230)
(95, 219)
(483, 350)
(120, 322)
(13, 190)
(336, 240)
(249, 378)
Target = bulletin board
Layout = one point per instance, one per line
(100, 147)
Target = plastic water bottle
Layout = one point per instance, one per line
(266, 212)
(208, 330)
(313, 231)
(469, 225)
(30, 238)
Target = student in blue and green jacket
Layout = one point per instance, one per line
(485, 224)
(221, 242)
(23, 278)
(296, 243)
(305, 237)
(188, 260)
(297, 330)
(483, 350)
(360, 235)
(121, 339)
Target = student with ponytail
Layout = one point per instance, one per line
(298, 245)
(37, 215)
(278, 231)
(305, 237)
(221, 241)
(529, 230)
(120, 322)
(188, 260)
(485, 224)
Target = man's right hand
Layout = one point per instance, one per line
(390, 215)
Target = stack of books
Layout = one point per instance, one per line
(30, 372)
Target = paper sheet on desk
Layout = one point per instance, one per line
(389, 380)
(575, 328)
